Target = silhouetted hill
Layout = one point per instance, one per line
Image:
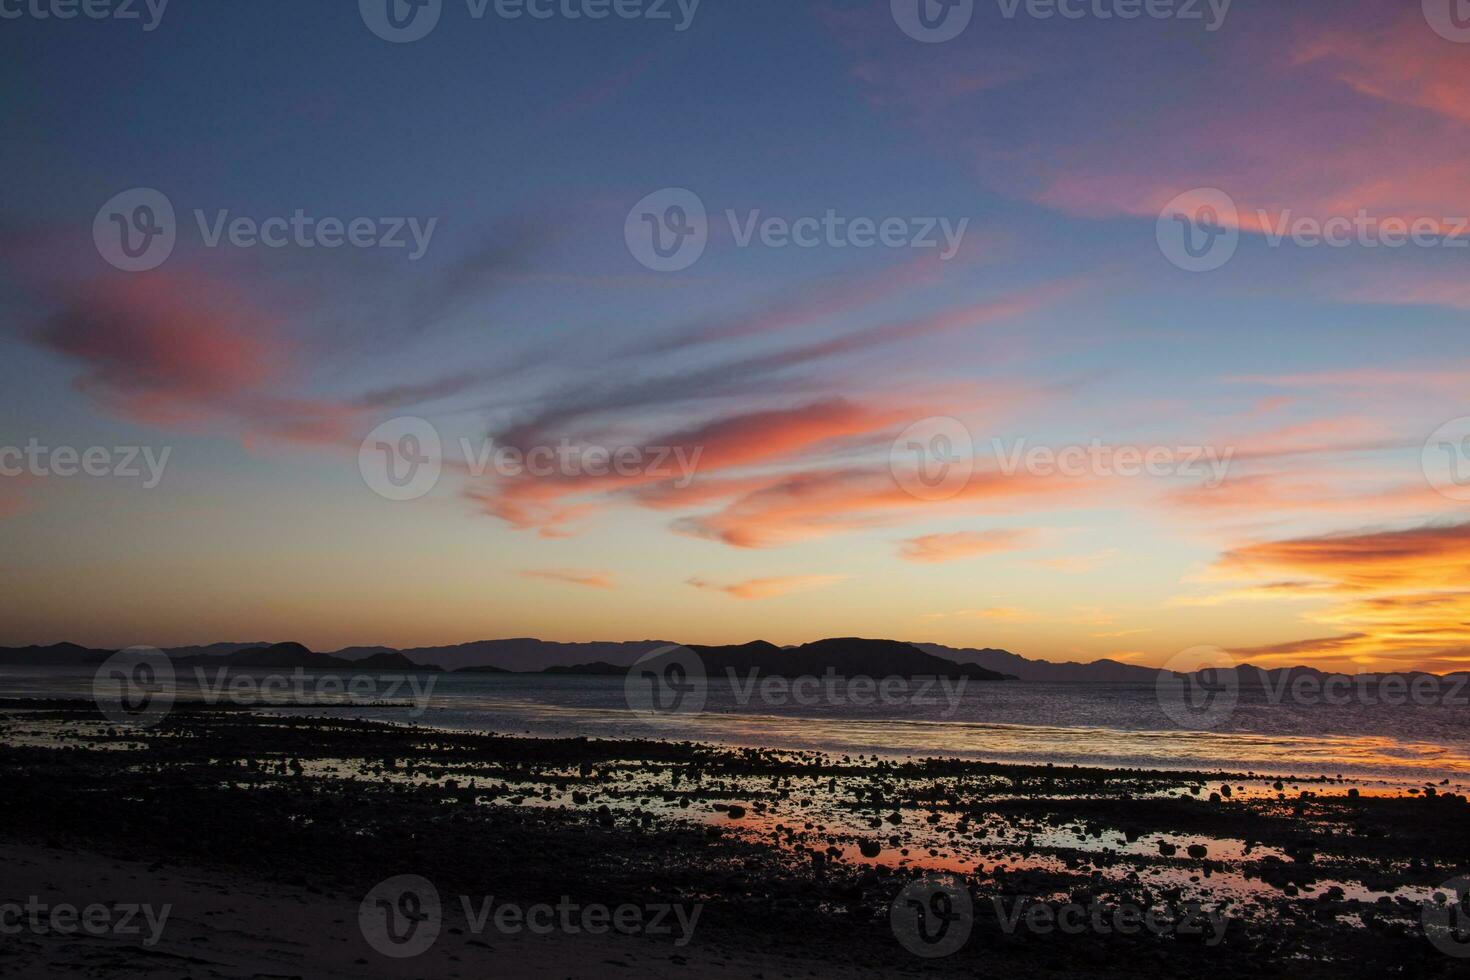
(519, 654)
(291, 656)
(212, 649)
(1043, 670)
(857, 656)
(844, 656)
(55, 655)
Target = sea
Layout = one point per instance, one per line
(1390, 741)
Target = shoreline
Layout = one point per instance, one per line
(800, 855)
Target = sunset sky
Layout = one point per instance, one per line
(1320, 371)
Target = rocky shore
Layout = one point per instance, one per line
(798, 864)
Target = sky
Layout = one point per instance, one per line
(1105, 333)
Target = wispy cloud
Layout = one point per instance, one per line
(1400, 592)
(963, 544)
(592, 580)
(1077, 564)
(768, 588)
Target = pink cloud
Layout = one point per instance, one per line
(182, 351)
(817, 503)
(1282, 115)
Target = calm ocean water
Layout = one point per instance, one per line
(1065, 724)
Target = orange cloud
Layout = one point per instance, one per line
(962, 544)
(814, 504)
(741, 440)
(1277, 494)
(1402, 598)
(768, 588)
(1434, 557)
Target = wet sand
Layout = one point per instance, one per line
(270, 831)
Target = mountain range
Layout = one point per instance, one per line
(529, 655)
(848, 656)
